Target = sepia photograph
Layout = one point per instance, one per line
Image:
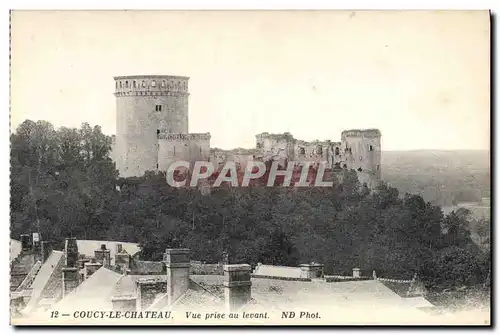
(250, 167)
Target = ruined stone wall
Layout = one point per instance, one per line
(241, 157)
(362, 152)
(276, 147)
(186, 147)
(146, 105)
(316, 152)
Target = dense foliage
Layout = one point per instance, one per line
(63, 184)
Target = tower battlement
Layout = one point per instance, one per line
(151, 85)
(361, 133)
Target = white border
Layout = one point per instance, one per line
(179, 4)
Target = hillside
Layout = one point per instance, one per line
(441, 177)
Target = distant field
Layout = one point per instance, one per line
(444, 178)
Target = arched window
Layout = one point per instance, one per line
(143, 83)
(370, 148)
(163, 83)
(134, 84)
(337, 151)
(116, 85)
(153, 83)
(185, 86)
(126, 84)
(302, 151)
(120, 84)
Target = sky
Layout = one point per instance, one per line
(422, 78)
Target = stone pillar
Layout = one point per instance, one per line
(312, 270)
(356, 272)
(71, 252)
(237, 285)
(124, 303)
(177, 263)
(70, 280)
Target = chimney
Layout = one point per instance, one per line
(71, 252)
(70, 280)
(177, 263)
(25, 242)
(70, 276)
(45, 250)
(237, 285)
(124, 303)
(311, 270)
(36, 244)
(90, 268)
(122, 259)
(103, 256)
(147, 290)
(356, 272)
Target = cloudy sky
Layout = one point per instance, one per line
(422, 78)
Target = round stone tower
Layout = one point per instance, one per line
(145, 106)
(361, 149)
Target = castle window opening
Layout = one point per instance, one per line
(134, 84)
(157, 131)
(163, 83)
(360, 169)
(153, 83)
(126, 84)
(345, 166)
(120, 84)
(302, 151)
(337, 151)
(143, 83)
(157, 165)
(370, 148)
(116, 85)
(158, 108)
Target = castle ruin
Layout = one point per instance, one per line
(152, 132)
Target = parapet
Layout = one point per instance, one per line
(153, 85)
(284, 136)
(184, 136)
(361, 133)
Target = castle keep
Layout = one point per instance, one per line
(152, 132)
